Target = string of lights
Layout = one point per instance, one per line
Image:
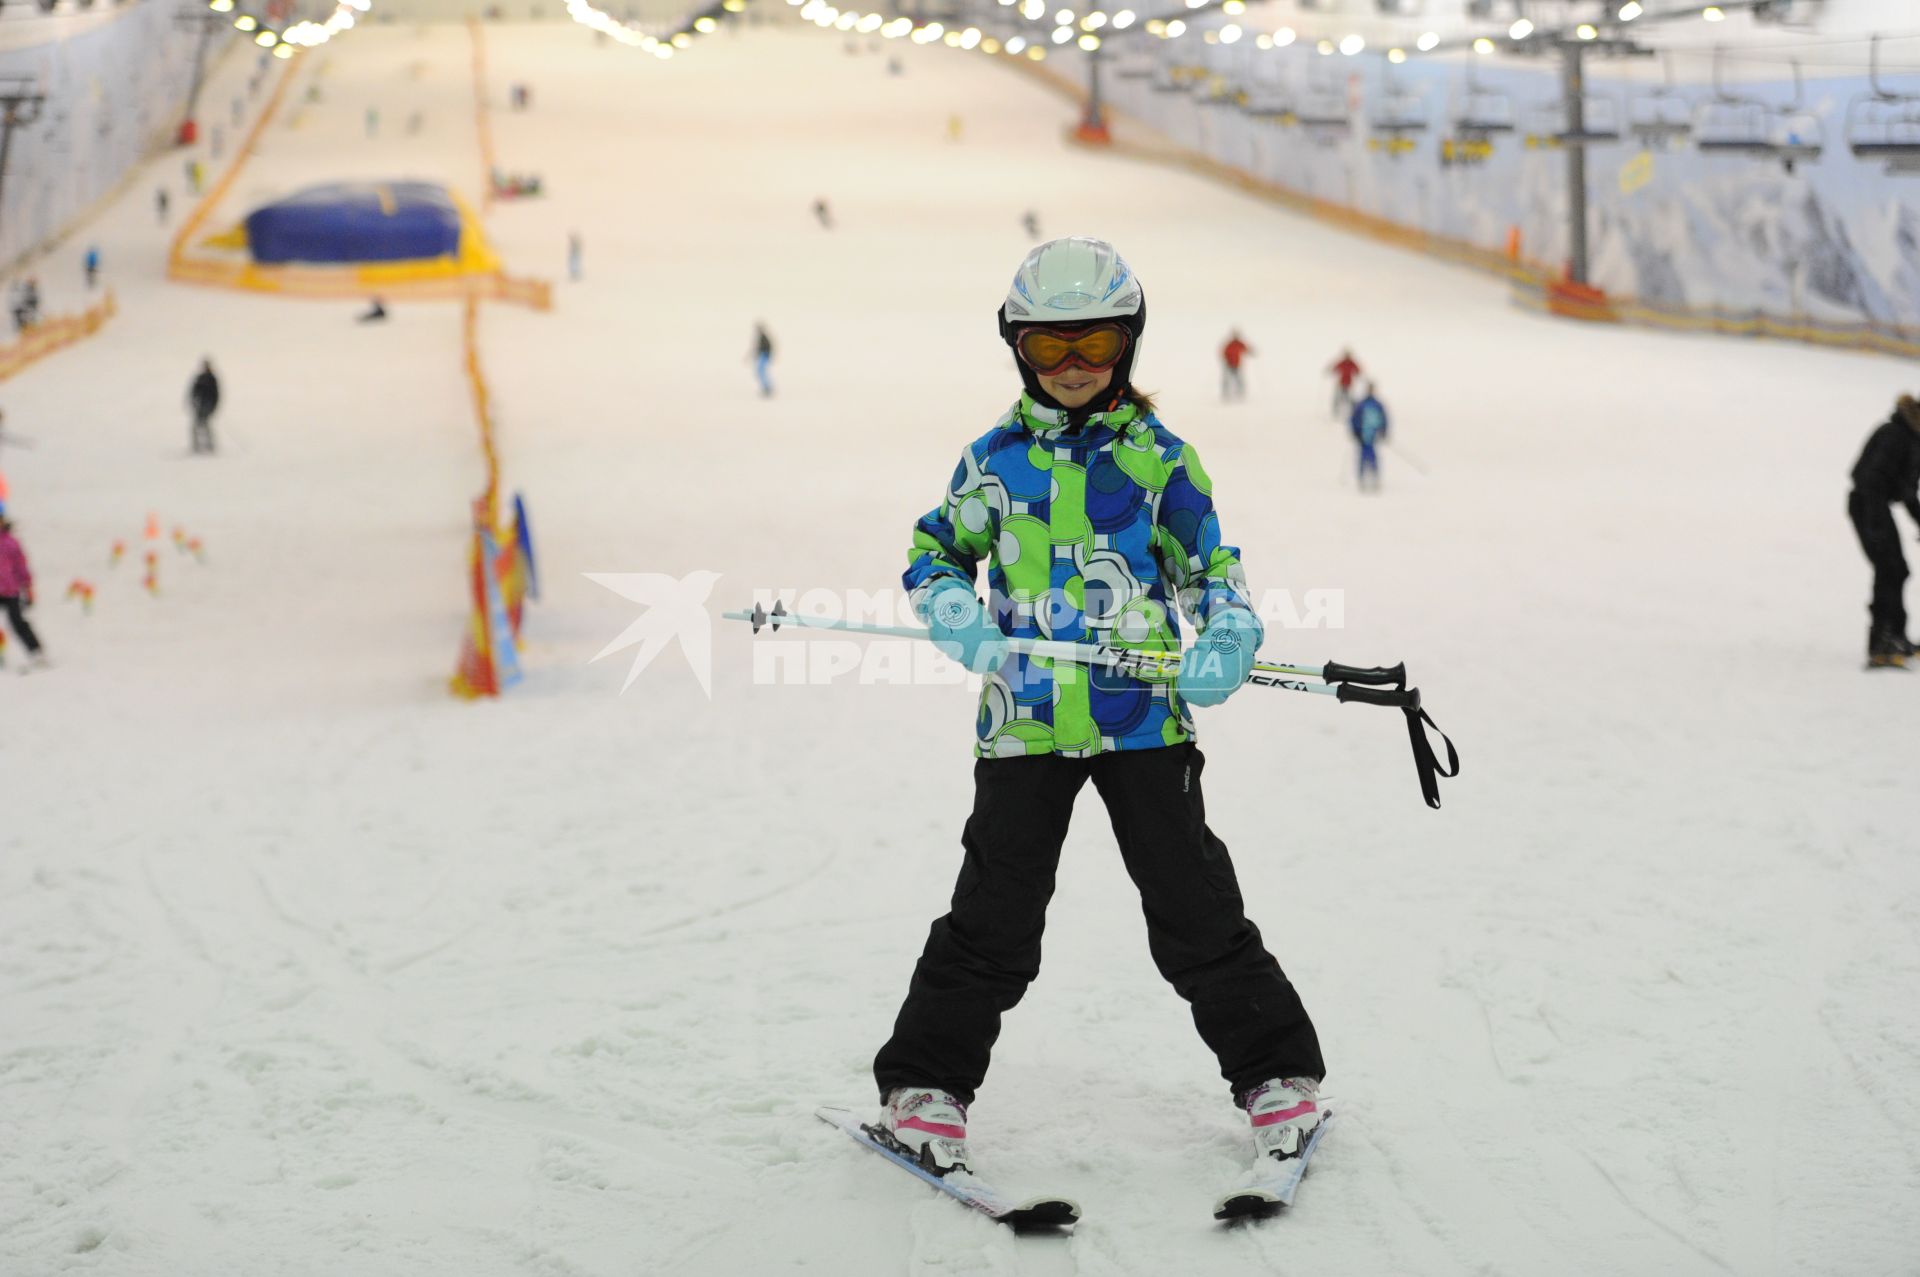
(300, 35)
(698, 23)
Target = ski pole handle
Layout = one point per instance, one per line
(1391, 697)
(1372, 676)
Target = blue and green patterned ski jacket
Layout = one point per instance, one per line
(1090, 535)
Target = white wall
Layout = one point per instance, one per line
(115, 83)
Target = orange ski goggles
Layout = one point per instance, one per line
(1049, 350)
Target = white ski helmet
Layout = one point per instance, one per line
(1071, 282)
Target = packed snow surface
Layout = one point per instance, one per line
(306, 967)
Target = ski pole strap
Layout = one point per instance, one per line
(1425, 762)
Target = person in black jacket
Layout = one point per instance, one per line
(1888, 471)
(204, 397)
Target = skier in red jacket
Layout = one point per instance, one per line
(1236, 349)
(1344, 370)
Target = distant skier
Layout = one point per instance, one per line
(1369, 425)
(575, 251)
(1074, 318)
(1032, 222)
(374, 314)
(823, 213)
(1344, 371)
(16, 592)
(1888, 471)
(763, 359)
(1236, 349)
(203, 396)
(373, 121)
(26, 305)
(161, 201)
(90, 263)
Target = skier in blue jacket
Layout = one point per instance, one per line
(1095, 524)
(1369, 424)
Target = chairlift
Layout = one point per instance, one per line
(1733, 125)
(1175, 78)
(1482, 112)
(1218, 91)
(1268, 99)
(1401, 112)
(1884, 125)
(1662, 117)
(1323, 109)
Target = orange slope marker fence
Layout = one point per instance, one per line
(56, 333)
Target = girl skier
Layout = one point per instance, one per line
(1093, 519)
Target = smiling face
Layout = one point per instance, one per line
(1075, 387)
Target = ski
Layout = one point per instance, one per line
(963, 1186)
(1269, 1188)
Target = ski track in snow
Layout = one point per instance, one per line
(306, 968)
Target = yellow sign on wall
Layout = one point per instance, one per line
(1636, 172)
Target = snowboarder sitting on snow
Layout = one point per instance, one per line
(373, 314)
(1369, 425)
(16, 592)
(1094, 523)
(1888, 471)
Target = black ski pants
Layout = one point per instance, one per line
(981, 956)
(12, 608)
(1880, 538)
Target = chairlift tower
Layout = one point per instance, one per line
(20, 106)
(207, 23)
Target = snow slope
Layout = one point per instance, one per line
(307, 968)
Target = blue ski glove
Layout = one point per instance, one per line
(961, 628)
(1221, 658)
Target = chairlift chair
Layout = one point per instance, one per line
(1732, 125)
(1662, 117)
(1482, 112)
(1885, 125)
(1268, 99)
(1401, 113)
(1323, 110)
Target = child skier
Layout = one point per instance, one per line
(1369, 426)
(763, 359)
(1092, 519)
(16, 593)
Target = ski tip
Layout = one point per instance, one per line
(1043, 1212)
(1248, 1203)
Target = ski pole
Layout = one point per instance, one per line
(1083, 653)
(1401, 453)
(1350, 684)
